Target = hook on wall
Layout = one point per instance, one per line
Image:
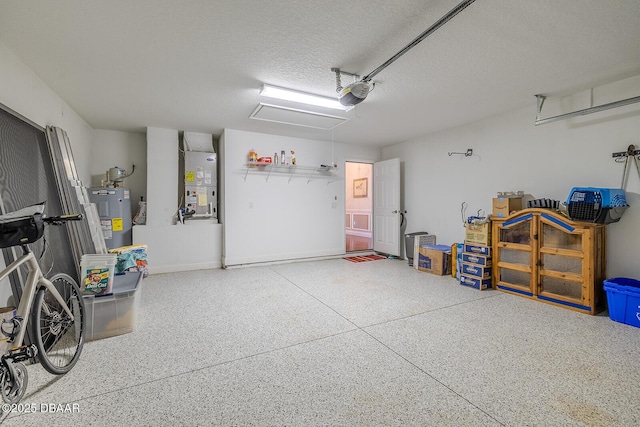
(621, 157)
(624, 157)
(468, 153)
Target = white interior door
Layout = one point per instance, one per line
(386, 207)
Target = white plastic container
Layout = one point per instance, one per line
(116, 313)
(97, 273)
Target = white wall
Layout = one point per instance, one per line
(23, 92)
(195, 245)
(172, 247)
(510, 153)
(122, 149)
(282, 219)
(162, 175)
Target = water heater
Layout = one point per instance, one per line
(114, 209)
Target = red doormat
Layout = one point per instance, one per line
(364, 258)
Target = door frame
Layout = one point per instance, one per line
(344, 188)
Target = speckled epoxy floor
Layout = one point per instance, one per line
(336, 343)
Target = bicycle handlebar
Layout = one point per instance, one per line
(60, 219)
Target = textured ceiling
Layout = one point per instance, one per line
(198, 65)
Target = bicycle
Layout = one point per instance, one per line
(52, 308)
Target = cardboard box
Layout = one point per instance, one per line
(478, 249)
(456, 259)
(419, 241)
(481, 260)
(475, 270)
(475, 282)
(434, 259)
(504, 206)
(478, 234)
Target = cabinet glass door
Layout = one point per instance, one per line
(561, 264)
(515, 257)
(519, 233)
(557, 238)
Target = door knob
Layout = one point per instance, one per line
(396, 211)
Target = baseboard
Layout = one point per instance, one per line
(159, 269)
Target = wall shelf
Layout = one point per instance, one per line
(292, 171)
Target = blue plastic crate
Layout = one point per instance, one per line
(623, 300)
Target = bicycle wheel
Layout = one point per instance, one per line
(58, 338)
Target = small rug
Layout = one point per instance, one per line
(364, 258)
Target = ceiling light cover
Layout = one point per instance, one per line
(302, 97)
(295, 116)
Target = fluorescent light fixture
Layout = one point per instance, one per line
(302, 97)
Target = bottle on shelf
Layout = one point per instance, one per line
(253, 155)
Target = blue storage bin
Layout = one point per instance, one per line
(623, 300)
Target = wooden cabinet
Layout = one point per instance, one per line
(542, 255)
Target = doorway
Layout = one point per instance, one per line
(358, 206)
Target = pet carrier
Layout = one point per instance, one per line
(598, 205)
